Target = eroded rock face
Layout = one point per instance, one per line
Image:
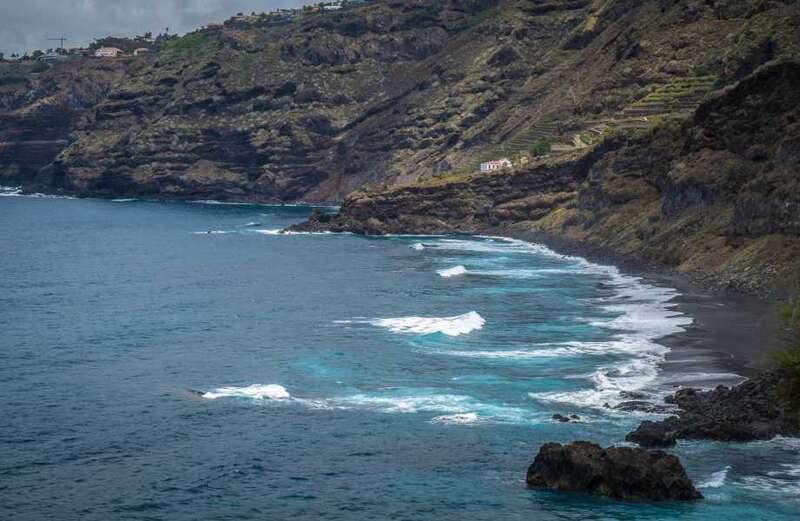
(40, 105)
(753, 410)
(616, 472)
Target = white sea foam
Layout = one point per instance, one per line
(449, 408)
(256, 391)
(418, 246)
(452, 272)
(641, 314)
(409, 403)
(717, 479)
(213, 232)
(212, 202)
(16, 191)
(124, 200)
(457, 419)
(282, 231)
(774, 484)
(790, 470)
(10, 191)
(450, 326)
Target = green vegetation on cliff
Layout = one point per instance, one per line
(788, 358)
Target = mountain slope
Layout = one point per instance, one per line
(388, 93)
(716, 196)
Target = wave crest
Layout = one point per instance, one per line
(717, 479)
(270, 392)
(450, 326)
(452, 272)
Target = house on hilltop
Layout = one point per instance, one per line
(142, 50)
(108, 52)
(497, 164)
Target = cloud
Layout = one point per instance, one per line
(27, 24)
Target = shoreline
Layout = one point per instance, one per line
(731, 332)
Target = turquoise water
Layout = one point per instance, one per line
(150, 369)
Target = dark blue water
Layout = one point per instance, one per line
(152, 370)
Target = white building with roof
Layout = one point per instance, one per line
(108, 52)
(497, 164)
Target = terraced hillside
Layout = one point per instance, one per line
(394, 92)
(716, 195)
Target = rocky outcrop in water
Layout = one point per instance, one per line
(754, 410)
(616, 472)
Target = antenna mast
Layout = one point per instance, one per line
(60, 39)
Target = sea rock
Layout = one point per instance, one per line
(753, 410)
(643, 406)
(616, 472)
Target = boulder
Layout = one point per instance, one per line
(625, 473)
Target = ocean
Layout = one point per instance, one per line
(183, 361)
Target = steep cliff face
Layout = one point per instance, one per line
(40, 105)
(717, 195)
(270, 111)
(396, 91)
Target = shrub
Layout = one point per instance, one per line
(539, 148)
(788, 358)
(191, 43)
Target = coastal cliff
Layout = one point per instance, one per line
(388, 93)
(40, 106)
(715, 196)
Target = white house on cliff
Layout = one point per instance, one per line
(108, 52)
(497, 164)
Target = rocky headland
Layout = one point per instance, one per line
(758, 409)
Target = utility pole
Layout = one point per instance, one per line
(60, 39)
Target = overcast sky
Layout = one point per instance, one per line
(26, 25)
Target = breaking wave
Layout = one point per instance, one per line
(641, 314)
(16, 191)
(457, 419)
(717, 479)
(452, 272)
(450, 326)
(255, 391)
(281, 231)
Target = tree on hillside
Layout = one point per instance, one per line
(538, 148)
(2, 56)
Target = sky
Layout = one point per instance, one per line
(26, 25)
